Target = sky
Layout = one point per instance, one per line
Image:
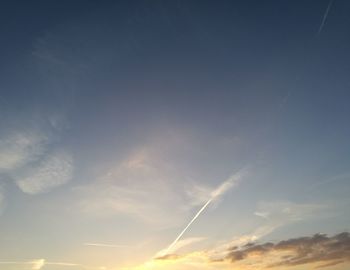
(186, 135)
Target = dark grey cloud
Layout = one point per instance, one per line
(320, 248)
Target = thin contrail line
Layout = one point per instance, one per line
(220, 190)
(325, 16)
(188, 225)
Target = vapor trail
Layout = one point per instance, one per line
(215, 194)
(325, 16)
(188, 225)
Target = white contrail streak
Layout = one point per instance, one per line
(188, 225)
(325, 16)
(233, 180)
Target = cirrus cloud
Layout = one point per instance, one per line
(21, 147)
(55, 170)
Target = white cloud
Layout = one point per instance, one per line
(19, 148)
(232, 181)
(25, 158)
(55, 170)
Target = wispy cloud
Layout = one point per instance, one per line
(145, 187)
(232, 181)
(274, 214)
(21, 147)
(38, 264)
(23, 159)
(28, 157)
(55, 170)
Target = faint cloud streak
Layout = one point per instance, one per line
(325, 17)
(54, 171)
(19, 148)
(38, 264)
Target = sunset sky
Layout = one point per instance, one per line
(175, 135)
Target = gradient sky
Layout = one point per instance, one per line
(125, 123)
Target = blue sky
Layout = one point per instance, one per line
(123, 124)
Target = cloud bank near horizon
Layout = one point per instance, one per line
(317, 251)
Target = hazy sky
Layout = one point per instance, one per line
(174, 135)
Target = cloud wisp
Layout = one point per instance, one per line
(52, 172)
(32, 158)
(274, 215)
(219, 191)
(38, 264)
(21, 147)
(145, 187)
